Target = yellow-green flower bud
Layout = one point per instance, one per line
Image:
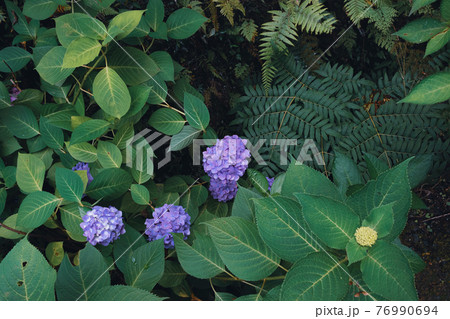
(366, 236)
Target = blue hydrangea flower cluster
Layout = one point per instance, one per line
(225, 163)
(102, 225)
(270, 181)
(168, 219)
(84, 167)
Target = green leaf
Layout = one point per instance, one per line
(200, 260)
(445, 10)
(417, 4)
(140, 194)
(83, 152)
(386, 271)
(317, 277)
(155, 13)
(30, 173)
(111, 93)
(52, 136)
(88, 131)
(11, 222)
(431, 90)
(421, 30)
(283, 228)
(243, 205)
(51, 69)
(14, 57)
(134, 66)
(25, 275)
(355, 252)
(418, 169)
(173, 276)
(29, 97)
(36, 208)
(415, 262)
(55, 253)
(381, 219)
(9, 175)
(242, 249)
(390, 187)
(183, 23)
(145, 266)
(20, 121)
(165, 63)
(124, 135)
(71, 219)
(81, 51)
(2, 199)
(184, 138)
(39, 9)
(109, 155)
(126, 246)
(306, 180)
(438, 41)
(69, 184)
(197, 113)
(76, 25)
(167, 121)
(123, 293)
(345, 173)
(333, 222)
(110, 183)
(258, 180)
(139, 96)
(375, 166)
(158, 92)
(126, 21)
(82, 281)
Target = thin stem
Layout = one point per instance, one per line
(237, 279)
(12, 229)
(165, 104)
(99, 59)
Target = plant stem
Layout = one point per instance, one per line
(12, 229)
(99, 59)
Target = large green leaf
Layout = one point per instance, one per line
(333, 222)
(110, 183)
(184, 138)
(155, 13)
(76, 25)
(12, 59)
(386, 271)
(111, 93)
(30, 173)
(197, 113)
(39, 9)
(438, 41)
(283, 228)
(134, 66)
(345, 173)
(242, 249)
(243, 206)
(51, 69)
(69, 184)
(126, 246)
(183, 23)
(81, 51)
(139, 96)
(123, 293)
(391, 186)
(433, 89)
(306, 180)
(144, 267)
(421, 30)
(71, 220)
(52, 136)
(82, 281)
(165, 63)
(445, 10)
(36, 208)
(318, 277)
(200, 260)
(167, 121)
(88, 131)
(417, 4)
(126, 21)
(140, 194)
(20, 121)
(109, 155)
(25, 275)
(83, 152)
(381, 219)
(124, 135)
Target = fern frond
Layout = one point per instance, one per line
(227, 8)
(312, 16)
(249, 30)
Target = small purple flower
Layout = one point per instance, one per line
(227, 160)
(102, 225)
(223, 191)
(166, 220)
(270, 180)
(14, 93)
(84, 167)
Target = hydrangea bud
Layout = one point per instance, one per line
(102, 225)
(366, 236)
(223, 191)
(168, 219)
(270, 181)
(84, 167)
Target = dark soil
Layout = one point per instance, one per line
(427, 234)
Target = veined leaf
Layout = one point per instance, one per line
(76, 25)
(184, 138)
(167, 121)
(88, 131)
(109, 155)
(69, 184)
(39, 9)
(21, 121)
(431, 90)
(197, 113)
(109, 183)
(11, 222)
(123, 293)
(126, 21)
(71, 219)
(83, 152)
(183, 23)
(81, 51)
(421, 30)
(51, 69)
(155, 13)
(30, 173)
(140, 194)
(36, 208)
(52, 136)
(14, 57)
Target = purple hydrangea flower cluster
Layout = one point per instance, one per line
(225, 163)
(84, 167)
(102, 225)
(14, 93)
(270, 181)
(166, 220)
